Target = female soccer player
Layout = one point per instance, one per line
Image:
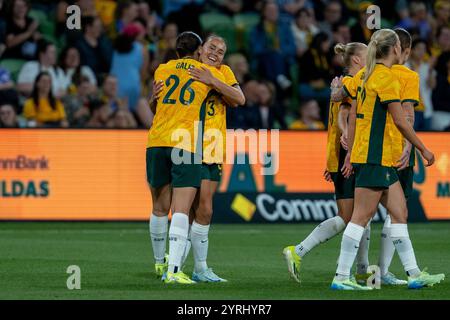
(403, 152)
(211, 53)
(378, 104)
(354, 57)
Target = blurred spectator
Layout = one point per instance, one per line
(315, 73)
(100, 114)
(153, 22)
(109, 94)
(359, 31)
(43, 109)
(264, 113)
(441, 15)
(126, 12)
(73, 70)
(95, 50)
(7, 91)
(88, 9)
(238, 118)
(121, 119)
(128, 64)
(185, 13)
(427, 76)
(332, 15)
(303, 30)
(309, 117)
(290, 8)
(442, 46)
(341, 33)
(166, 45)
(229, 7)
(21, 32)
(441, 94)
(76, 103)
(9, 117)
(46, 62)
(2, 30)
(273, 46)
(239, 64)
(418, 19)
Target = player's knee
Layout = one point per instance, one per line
(160, 210)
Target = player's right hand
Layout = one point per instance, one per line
(347, 168)
(429, 156)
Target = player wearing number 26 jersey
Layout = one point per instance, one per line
(182, 103)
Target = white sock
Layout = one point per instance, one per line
(349, 247)
(199, 240)
(158, 235)
(323, 232)
(362, 257)
(187, 248)
(178, 233)
(387, 248)
(403, 245)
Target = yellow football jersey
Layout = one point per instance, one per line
(334, 134)
(216, 122)
(409, 92)
(181, 107)
(373, 141)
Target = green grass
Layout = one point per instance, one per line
(116, 263)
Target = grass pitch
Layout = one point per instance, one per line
(116, 262)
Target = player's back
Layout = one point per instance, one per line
(373, 141)
(180, 105)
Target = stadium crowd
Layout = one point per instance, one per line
(280, 51)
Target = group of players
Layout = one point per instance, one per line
(190, 96)
(370, 159)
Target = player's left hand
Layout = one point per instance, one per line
(403, 162)
(327, 176)
(158, 87)
(201, 74)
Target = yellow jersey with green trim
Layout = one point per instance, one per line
(214, 139)
(334, 133)
(373, 139)
(409, 92)
(180, 110)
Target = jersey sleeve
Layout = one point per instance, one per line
(216, 73)
(411, 90)
(387, 86)
(230, 78)
(350, 87)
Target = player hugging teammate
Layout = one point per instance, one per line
(189, 100)
(374, 163)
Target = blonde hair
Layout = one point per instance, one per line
(379, 47)
(347, 51)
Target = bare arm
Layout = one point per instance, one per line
(343, 114)
(232, 95)
(408, 111)
(13, 40)
(347, 168)
(408, 132)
